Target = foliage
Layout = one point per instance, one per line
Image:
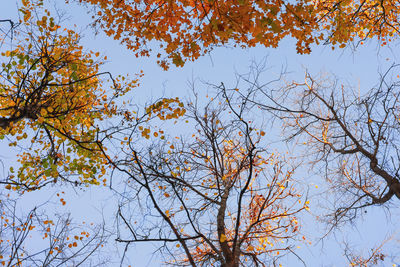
(214, 199)
(52, 98)
(217, 197)
(187, 29)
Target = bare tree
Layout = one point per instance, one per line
(34, 238)
(216, 198)
(353, 137)
(382, 253)
(375, 256)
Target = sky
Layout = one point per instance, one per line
(360, 68)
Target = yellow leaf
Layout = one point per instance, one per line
(222, 238)
(40, 120)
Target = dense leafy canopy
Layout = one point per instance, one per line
(53, 97)
(187, 29)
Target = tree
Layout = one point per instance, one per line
(39, 239)
(375, 256)
(53, 94)
(53, 98)
(187, 29)
(58, 109)
(217, 198)
(353, 137)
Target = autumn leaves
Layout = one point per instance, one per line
(186, 30)
(71, 125)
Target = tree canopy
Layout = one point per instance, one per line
(195, 176)
(219, 197)
(187, 29)
(53, 97)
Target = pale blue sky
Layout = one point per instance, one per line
(360, 68)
